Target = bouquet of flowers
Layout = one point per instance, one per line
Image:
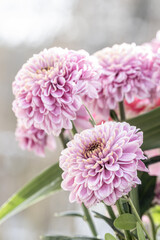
(105, 109)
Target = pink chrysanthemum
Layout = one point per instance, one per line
(33, 139)
(127, 71)
(154, 46)
(48, 87)
(139, 106)
(100, 164)
(155, 43)
(82, 120)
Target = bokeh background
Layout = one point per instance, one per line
(27, 27)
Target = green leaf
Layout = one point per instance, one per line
(40, 187)
(140, 232)
(109, 236)
(152, 160)
(69, 214)
(67, 238)
(146, 192)
(149, 123)
(125, 221)
(108, 221)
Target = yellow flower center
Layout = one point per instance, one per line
(92, 148)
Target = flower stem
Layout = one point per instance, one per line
(137, 216)
(121, 211)
(122, 111)
(110, 212)
(112, 215)
(63, 139)
(91, 117)
(74, 130)
(134, 198)
(89, 220)
(85, 210)
(152, 225)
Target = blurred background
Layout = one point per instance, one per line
(27, 27)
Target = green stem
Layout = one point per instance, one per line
(152, 225)
(134, 198)
(110, 212)
(85, 210)
(121, 211)
(122, 111)
(137, 216)
(89, 220)
(63, 139)
(91, 117)
(74, 130)
(113, 217)
(113, 115)
(119, 207)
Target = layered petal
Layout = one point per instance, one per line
(101, 163)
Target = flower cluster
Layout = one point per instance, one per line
(100, 164)
(33, 139)
(127, 73)
(49, 87)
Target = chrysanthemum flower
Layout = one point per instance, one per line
(127, 71)
(100, 164)
(48, 88)
(155, 43)
(139, 106)
(33, 139)
(154, 46)
(82, 120)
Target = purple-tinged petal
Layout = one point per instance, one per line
(141, 166)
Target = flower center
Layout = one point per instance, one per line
(92, 148)
(46, 68)
(43, 70)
